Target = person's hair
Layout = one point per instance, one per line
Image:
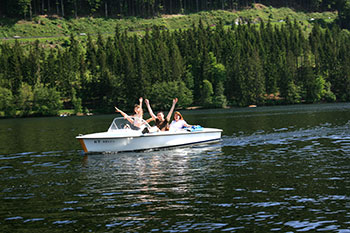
(160, 112)
(138, 106)
(179, 114)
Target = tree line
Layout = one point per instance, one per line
(210, 66)
(147, 8)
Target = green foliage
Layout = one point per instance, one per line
(52, 27)
(7, 102)
(242, 64)
(46, 101)
(219, 99)
(164, 92)
(292, 93)
(25, 99)
(76, 103)
(344, 14)
(327, 94)
(207, 93)
(217, 72)
(151, 8)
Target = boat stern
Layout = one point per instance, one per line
(82, 144)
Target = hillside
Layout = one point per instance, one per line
(216, 59)
(53, 27)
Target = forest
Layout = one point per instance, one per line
(208, 65)
(227, 64)
(148, 8)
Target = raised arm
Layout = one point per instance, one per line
(126, 116)
(121, 112)
(141, 100)
(139, 114)
(171, 109)
(150, 109)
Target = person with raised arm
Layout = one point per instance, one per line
(161, 122)
(135, 119)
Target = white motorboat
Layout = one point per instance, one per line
(123, 135)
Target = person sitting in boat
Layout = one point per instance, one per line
(178, 123)
(137, 117)
(161, 122)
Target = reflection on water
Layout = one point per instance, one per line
(282, 170)
(157, 170)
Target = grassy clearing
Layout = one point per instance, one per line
(52, 29)
(66, 112)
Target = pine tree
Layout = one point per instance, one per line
(25, 99)
(289, 91)
(219, 100)
(176, 61)
(207, 94)
(50, 69)
(7, 102)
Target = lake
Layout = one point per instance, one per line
(277, 169)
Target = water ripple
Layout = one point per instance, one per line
(286, 136)
(265, 177)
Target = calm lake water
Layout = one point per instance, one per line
(277, 169)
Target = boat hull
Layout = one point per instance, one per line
(109, 142)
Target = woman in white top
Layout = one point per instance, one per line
(178, 122)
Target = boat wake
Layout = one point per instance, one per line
(282, 136)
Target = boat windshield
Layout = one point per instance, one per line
(131, 123)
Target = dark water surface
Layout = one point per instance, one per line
(277, 169)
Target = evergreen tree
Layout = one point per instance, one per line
(176, 62)
(46, 101)
(207, 93)
(219, 100)
(289, 91)
(25, 99)
(91, 58)
(344, 14)
(217, 72)
(164, 92)
(7, 104)
(311, 84)
(50, 69)
(76, 101)
(242, 64)
(14, 69)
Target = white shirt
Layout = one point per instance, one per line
(177, 125)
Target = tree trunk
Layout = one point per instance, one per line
(35, 7)
(30, 11)
(75, 9)
(106, 9)
(62, 7)
(131, 8)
